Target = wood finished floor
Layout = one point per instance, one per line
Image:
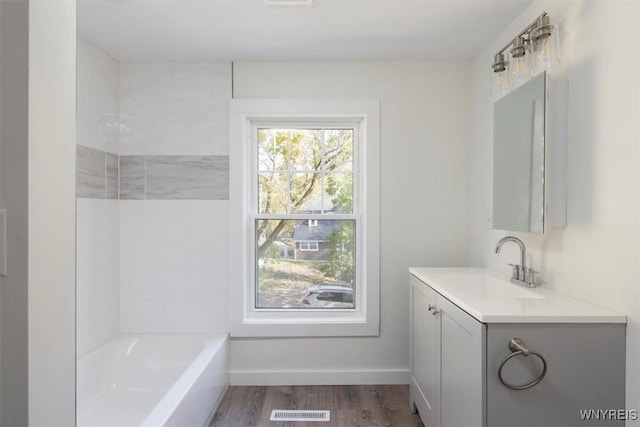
(350, 406)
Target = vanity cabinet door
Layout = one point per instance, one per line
(462, 367)
(447, 361)
(423, 352)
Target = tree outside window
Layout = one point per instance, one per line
(305, 225)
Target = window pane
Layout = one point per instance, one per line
(304, 264)
(272, 150)
(305, 171)
(338, 192)
(338, 149)
(305, 147)
(305, 193)
(273, 192)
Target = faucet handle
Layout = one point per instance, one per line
(530, 276)
(515, 271)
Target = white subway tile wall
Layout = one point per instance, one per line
(174, 108)
(97, 268)
(97, 123)
(97, 229)
(161, 131)
(173, 264)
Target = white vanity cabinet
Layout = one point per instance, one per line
(447, 360)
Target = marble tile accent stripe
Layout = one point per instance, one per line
(102, 175)
(187, 177)
(90, 173)
(174, 177)
(112, 176)
(132, 177)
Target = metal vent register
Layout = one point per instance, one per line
(283, 415)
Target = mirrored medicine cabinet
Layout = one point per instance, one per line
(528, 193)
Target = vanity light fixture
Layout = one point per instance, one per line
(518, 50)
(546, 43)
(533, 50)
(500, 75)
(499, 63)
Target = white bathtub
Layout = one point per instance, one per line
(153, 380)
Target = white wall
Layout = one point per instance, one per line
(14, 59)
(174, 253)
(424, 139)
(98, 257)
(51, 216)
(597, 256)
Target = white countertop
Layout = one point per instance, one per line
(490, 298)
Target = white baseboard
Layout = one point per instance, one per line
(350, 377)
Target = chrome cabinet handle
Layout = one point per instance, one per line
(433, 310)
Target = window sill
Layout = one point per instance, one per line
(273, 329)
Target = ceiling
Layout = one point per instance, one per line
(329, 30)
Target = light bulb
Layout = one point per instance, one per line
(519, 69)
(500, 83)
(547, 47)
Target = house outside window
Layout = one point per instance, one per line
(299, 180)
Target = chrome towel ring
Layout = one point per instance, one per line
(518, 347)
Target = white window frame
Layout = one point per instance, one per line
(364, 116)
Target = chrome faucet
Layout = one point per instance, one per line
(520, 275)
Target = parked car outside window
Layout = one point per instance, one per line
(328, 296)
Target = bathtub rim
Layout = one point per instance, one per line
(213, 345)
(160, 414)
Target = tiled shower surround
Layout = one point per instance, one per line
(153, 190)
(102, 175)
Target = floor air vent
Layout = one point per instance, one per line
(283, 415)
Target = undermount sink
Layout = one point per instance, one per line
(502, 288)
(491, 285)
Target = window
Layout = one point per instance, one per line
(308, 246)
(303, 220)
(304, 191)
